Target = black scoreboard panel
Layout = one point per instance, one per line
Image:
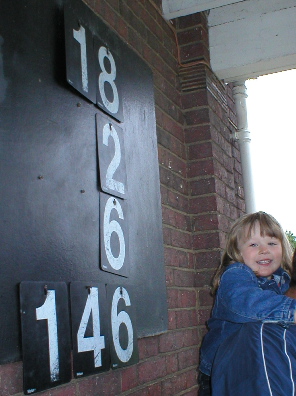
(54, 169)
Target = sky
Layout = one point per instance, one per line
(272, 124)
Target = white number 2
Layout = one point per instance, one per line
(110, 131)
(47, 311)
(117, 320)
(97, 342)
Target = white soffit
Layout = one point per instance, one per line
(252, 38)
(176, 8)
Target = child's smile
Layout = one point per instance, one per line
(261, 253)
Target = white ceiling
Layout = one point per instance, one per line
(176, 8)
(248, 38)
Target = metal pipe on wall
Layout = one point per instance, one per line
(244, 139)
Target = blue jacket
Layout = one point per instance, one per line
(258, 360)
(241, 298)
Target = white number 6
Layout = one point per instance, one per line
(110, 227)
(122, 318)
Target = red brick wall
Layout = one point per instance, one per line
(200, 181)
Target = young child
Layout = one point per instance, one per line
(292, 289)
(250, 307)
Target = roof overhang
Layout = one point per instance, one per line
(247, 38)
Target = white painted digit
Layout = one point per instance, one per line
(79, 35)
(47, 311)
(110, 131)
(106, 77)
(97, 342)
(110, 227)
(117, 320)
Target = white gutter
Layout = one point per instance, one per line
(243, 137)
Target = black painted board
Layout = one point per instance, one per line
(46, 337)
(90, 328)
(49, 202)
(50, 187)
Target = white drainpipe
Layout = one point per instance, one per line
(243, 137)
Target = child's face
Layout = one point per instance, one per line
(263, 254)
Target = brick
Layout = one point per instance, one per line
(148, 347)
(172, 298)
(207, 259)
(11, 378)
(200, 150)
(152, 369)
(150, 390)
(206, 240)
(169, 277)
(192, 52)
(170, 91)
(99, 8)
(171, 363)
(205, 203)
(172, 320)
(175, 258)
(205, 297)
(132, 20)
(188, 358)
(135, 40)
(176, 219)
(203, 186)
(187, 21)
(193, 99)
(65, 390)
(205, 222)
(176, 201)
(153, 40)
(198, 133)
(173, 127)
(134, 6)
(173, 181)
(197, 116)
(203, 315)
(110, 16)
(172, 162)
(129, 378)
(204, 278)
(197, 33)
(201, 168)
(177, 384)
(109, 384)
(176, 238)
(114, 4)
(186, 318)
(122, 29)
(175, 340)
(181, 298)
(191, 392)
(168, 106)
(183, 278)
(169, 42)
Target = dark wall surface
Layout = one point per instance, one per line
(50, 184)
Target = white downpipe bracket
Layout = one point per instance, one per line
(243, 137)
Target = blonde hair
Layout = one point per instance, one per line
(268, 226)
